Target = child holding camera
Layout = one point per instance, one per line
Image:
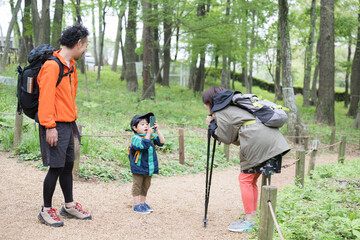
(143, 158)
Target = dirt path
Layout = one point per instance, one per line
(178, 203)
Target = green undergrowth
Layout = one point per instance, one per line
(327, 208)
(109, 111)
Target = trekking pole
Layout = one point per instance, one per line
(208, 176)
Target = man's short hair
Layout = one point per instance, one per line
(70, 36)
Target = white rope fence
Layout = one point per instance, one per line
(275, 221)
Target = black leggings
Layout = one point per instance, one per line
(66, 182)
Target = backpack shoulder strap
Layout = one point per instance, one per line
(61, 67)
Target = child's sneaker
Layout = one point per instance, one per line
(146, 206)
(140, 209)
(241, 226)
(75, 212)
(50, 218)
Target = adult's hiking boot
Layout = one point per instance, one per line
(50, 218)
(75, 212)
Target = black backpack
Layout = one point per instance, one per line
(27, 87)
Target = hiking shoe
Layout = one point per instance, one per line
(147, 207)
(50, 218)
(140, 209)
(241, 226)
(75, 212)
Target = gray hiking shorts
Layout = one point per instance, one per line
(56, 156)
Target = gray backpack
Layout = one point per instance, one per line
(269, 113)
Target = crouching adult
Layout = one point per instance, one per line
(261, 147)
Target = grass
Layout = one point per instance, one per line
(109, 113)
(327, 208)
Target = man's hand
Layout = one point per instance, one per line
(51, 136)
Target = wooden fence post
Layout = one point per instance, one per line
(332, 141)
(266, 225)
(300, 167)
(18, 129)
(181, 146)
(227, 151)
(77, 156)
(306, 143)
(342, 148)
(313, 156)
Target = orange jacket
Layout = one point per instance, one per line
(57, 104)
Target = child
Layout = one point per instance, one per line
(143, 159)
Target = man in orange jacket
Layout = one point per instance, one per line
(57, 113)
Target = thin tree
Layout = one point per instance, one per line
(57, 23)
(348, 69)
(315, 76)
(130, 45)
(355, 76)
(325, 106)
(155, 66)
(8, 34)
(167, 41)
(26, 39)
(103, 8)
(277, 82)
(225, 73)
(308, 56)
(118, 36)
(147, 52)
(94, 32)
(41, 25)
(198, 85)
(295, 126)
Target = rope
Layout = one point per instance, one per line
(274, 218)
(290, 164)
(7, 113)
(328, 146)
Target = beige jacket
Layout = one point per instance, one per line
(258, 142)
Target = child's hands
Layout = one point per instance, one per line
(156, 126)
(150, 130)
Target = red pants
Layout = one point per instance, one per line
(249, 191)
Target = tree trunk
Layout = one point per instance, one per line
(94, 33)
(117, 41)
(17, 29)
(252, 49)
(348, 68)
(44, 29)
(308, 57)
(295, 126)
(57, 23)
(167, 43)
(148, 87)
(200, 73)
(102, 25)
(8, 34)
(357, 119)
(325, 106)
(225, 73)
(355, 77)
(77, 17)
(155, 66)
(277, 83)
(130, 46)
(316, 75)
(192, 72)
(177, 41)
(26, 32)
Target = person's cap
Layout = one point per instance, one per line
(142, 116)
(222, 99)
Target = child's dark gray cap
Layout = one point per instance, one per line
(142, 116)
